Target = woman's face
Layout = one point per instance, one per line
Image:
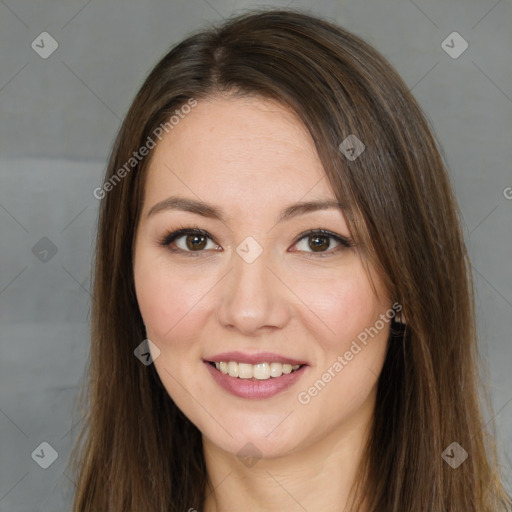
(257, 284)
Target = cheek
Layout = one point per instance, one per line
(169, 304)
(353, 349)
(341, 307)
(350, 350)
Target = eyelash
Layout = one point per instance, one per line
(170, 237)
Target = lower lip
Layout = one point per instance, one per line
(254, 388)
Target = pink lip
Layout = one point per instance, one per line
(254, 388)
(261, 357)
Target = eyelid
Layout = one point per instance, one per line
(169, 238)
(181, 231)
(344, 242)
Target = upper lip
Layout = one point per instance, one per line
(261, 357)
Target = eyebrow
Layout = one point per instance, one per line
(209, 211)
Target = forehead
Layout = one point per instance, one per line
(246, 148)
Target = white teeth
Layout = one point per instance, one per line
(244, 370)
(260, 371)
(276, 369)
(233, 369)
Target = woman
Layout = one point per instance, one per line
(282, 310)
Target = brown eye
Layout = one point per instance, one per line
(196, 242)
(318, 243)
(321, 243)
(188, 241)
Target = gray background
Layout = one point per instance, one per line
(58, 119)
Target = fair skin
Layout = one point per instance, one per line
(251, 158)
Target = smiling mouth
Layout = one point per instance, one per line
(260, 371)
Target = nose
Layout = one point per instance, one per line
(252, 300)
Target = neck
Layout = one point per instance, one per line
(320, 476)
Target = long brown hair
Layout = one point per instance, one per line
(137, 451)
